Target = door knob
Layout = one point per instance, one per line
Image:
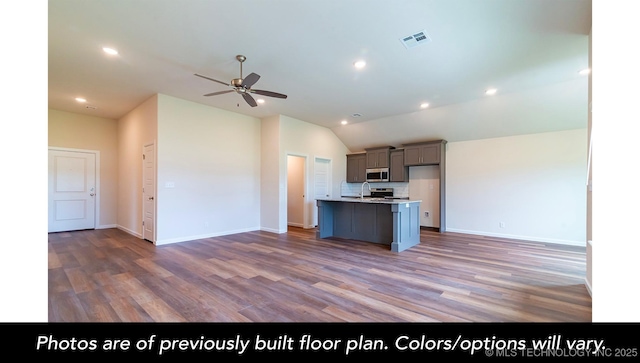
(150, 198)
(92, 194)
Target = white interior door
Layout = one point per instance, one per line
(321, 183)
(149, 193)
(72, 190)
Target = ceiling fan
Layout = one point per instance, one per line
(243, 86)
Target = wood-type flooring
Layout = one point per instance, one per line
(108, 275)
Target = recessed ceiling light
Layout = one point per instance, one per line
(80, 99)
(424, 105)
(260, 100)
(344, 122)
(491, 91)
(360, 64)
(585, 71)
(110, 51)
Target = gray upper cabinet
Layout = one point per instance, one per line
(398, 172)
(427, 153)
(356, 168)
(378, 157)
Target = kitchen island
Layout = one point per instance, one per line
(393, 222)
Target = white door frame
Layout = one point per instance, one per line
(96, 213)
(155, 191)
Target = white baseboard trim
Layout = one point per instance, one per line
(106, 226)
(519, 237)
(133, 233)
(588, 285)
(202, 236)
(273, 230)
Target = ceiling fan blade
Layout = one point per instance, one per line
(218, 93)
(211, 79)
(247, 97)
(250, 80)
(268, 93)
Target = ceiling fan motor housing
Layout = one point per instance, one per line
(236, 82)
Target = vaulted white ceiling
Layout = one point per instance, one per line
(306, 50)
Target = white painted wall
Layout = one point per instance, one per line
(533, 183)
(135, 129)
(302, 138)
(72, 130)
(212, 157)
(589, 232)
(271, 187)
(281, 136)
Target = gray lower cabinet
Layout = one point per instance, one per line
(356, 168)
(396, 225)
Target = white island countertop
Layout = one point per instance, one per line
(355, 199)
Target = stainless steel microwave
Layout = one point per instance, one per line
(378, 175)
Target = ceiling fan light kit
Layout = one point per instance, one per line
(242, 86)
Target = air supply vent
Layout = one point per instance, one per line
(416, 39)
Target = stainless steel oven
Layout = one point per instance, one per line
(378, 175)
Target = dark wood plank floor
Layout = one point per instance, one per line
(110, 276)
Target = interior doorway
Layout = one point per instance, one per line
(296, 190)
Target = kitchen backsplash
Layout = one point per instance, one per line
(400, 190)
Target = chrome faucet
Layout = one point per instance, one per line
(362, 189)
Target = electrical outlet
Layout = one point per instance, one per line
(501, 224)
(426, 214)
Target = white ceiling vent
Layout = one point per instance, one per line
(416, 39)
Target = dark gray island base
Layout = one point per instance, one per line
(393, 222)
